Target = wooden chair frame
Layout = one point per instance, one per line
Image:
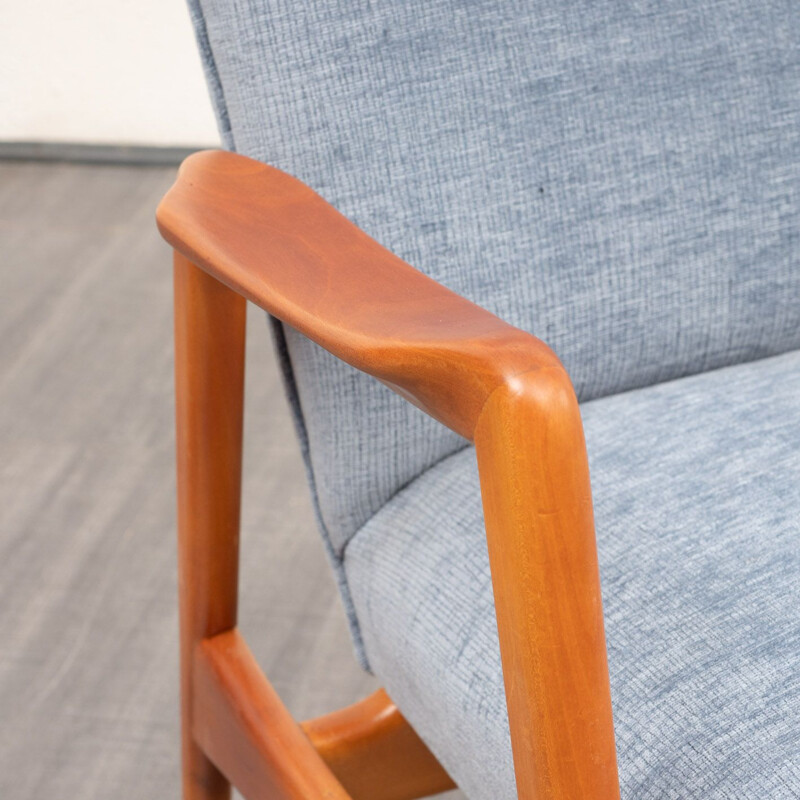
(242, 230)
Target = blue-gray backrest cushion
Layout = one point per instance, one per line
(622, 179)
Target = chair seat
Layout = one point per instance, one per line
(696, 488)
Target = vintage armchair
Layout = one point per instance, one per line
(621, 180)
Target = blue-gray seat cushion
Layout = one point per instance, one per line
(697, 501)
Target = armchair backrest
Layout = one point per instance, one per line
(622, 179)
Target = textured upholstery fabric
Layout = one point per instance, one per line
(697, 499)
(622, 179)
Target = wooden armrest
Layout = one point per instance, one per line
(271, 238)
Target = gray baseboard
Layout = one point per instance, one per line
(130, 155)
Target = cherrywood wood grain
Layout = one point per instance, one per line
(540, 530)
(242, 724)
(375, 753)
(209, 386)
(273, 240)
(234, 727)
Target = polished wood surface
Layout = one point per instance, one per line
(540, 531)
(375, 753)
(268, 237)
(209, 387)
(234, 727)
(272, 239)
(241, 723)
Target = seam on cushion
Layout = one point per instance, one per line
(401, 489)
(688, 377)
(335, 559)
(586, 403)
(688, 373)
(355, 624)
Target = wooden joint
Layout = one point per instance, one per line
(375, 753)
(366, 751)
(243, 727)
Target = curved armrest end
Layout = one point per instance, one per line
(271, 238)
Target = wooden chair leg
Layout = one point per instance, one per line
(228, 708)
(209, 388)
(540, 530)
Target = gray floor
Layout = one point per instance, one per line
(88, 624)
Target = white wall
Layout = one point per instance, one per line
(102, 71)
